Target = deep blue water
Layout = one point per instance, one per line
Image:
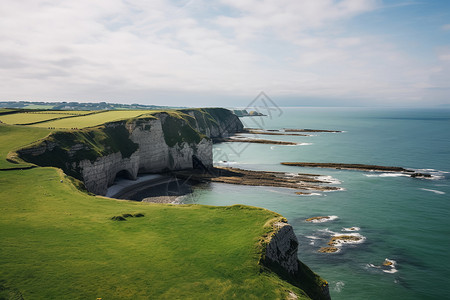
(403, 219)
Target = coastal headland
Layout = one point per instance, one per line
(76, 243)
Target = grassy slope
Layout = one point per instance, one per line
(12, 137)
(59, 243)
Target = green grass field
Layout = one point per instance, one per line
(24, 118)
(93, 119)
(13, 137)
(59, 243)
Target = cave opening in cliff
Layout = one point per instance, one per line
(123, 174)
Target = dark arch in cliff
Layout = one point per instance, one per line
(124, 174)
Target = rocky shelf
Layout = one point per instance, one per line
(258, 178)
(310, 130)
(336, 241)
(256, 141)
(359, 167)
(271, 132)
(320, 218)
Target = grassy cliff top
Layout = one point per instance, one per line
(60, 119)
(14, 137)
(70, 119)
(59, 243)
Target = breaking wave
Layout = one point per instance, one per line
(433, 191)
(323, 219)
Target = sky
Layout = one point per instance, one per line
(225, 52)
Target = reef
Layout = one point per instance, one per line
(358, 167)
(255, 141)
(257, 178)
(320, 218)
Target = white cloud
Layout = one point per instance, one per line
(286, 18)
(114, 49)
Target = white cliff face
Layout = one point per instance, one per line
(144, 146)
(153, 155)
(282, 248)
(98, 175)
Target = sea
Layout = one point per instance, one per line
(402, 222)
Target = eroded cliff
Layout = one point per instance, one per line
(280, 255)
(159, 142)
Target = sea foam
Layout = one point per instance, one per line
(435, 174)
(388, 266)
(325, 219)
(338, 286)
(349, 229)
(312, 238)
(329, 179)
(311, 194)
(433, 191)
(299, 144)
(387, 175)
(341, 242)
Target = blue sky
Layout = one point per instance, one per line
(223, 53)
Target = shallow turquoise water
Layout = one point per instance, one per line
(401, 218)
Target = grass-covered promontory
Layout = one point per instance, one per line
(59, 243)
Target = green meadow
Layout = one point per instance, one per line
(13, 137)
(58, 242)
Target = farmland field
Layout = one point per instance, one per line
(23, 118)
(93, 119)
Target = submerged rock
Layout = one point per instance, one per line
(328, 249)
(415, 175)
(387, 263)
(335, 240)
(321, 218)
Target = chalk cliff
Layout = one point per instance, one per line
(162, 141)
(281, 256)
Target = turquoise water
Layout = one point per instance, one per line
(401, 218)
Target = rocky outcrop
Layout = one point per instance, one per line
(282, 248)
(301, 182)
(280, 255)
(161, 142)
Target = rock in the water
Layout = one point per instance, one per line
(320, 218)
(415, 175)
(339, 239)
(328, 249)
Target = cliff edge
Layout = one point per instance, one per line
(279, 254)
(162, 141)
